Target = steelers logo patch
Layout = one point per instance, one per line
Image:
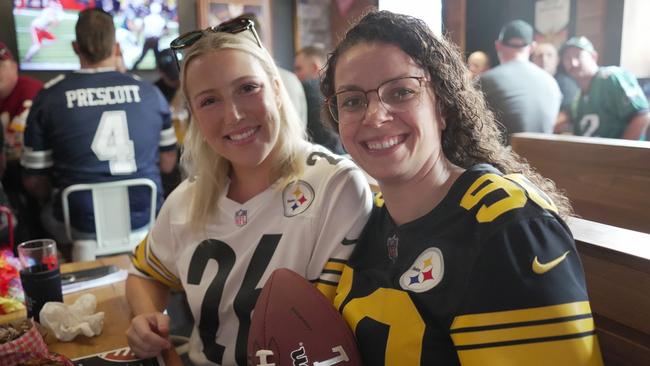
(297, 198)
(425, 273)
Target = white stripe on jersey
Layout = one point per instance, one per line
(167, 137)
(36, 159)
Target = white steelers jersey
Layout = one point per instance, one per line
(309, 226)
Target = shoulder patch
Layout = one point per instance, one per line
(297, 197)
(425, 273)
(54, 81)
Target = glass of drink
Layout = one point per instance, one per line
(40, 275)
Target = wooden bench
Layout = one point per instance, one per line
(607, 180)
(617, 269)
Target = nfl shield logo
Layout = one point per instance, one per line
(391, 244)
(241, 217)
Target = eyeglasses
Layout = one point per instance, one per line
(233, 26)
(397, 95)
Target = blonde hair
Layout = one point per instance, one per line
(206, 167)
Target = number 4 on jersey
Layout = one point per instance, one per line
(111, 143)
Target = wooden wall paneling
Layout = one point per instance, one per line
(454, 22)
(606, 180)
(342, 19)
(616, 263)
(590, 21)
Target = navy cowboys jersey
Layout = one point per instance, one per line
(94, 126)
(309, 226)
(490, 276)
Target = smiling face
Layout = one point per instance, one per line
(391, 146)
(235, 104)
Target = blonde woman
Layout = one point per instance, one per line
(260, 197)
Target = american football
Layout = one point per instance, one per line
(294, 324)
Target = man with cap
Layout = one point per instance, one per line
(16, 95)
(524, 97)
(95, 125)
(610, 103)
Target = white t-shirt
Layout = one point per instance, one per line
(309, 226)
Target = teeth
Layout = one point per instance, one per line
(241, 136)
(384, 144)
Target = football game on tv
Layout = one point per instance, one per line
(45, 31)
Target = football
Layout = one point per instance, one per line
(294, 324)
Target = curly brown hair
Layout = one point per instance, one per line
(472, 135)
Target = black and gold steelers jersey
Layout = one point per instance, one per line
(490, 276)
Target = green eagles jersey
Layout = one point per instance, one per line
(614, 97)
(490, 276)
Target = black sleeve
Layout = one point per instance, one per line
(526, 300)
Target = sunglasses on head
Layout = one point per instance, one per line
(233, 26)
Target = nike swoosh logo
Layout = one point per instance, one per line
(541, 268)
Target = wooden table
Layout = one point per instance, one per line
(110, 299)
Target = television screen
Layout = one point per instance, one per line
(45, 31)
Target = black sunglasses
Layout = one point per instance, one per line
(233, 26)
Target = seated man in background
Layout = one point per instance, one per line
(610, 103)
(95, 125)
(524, 97)
(307, 65)
(16, 95)
(545, 55)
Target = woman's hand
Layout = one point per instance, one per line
(148, 334)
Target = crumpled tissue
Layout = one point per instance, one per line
(68, 321)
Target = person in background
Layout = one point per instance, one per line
(16, 95)
(169, 85)
(95, 125)
(290, 80)
(478, 62)
(40, 27)
(309, 61)
(153, 26)
(466, 256)
(545, 55)
(259, 197)
(610, 103)
(523, 96)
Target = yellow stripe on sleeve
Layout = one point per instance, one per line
(519, 333)
(334, 266)
(141, 263)
(558, 335)
(155, 262)
(328, 290)
(520, 316)
(582, 351)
